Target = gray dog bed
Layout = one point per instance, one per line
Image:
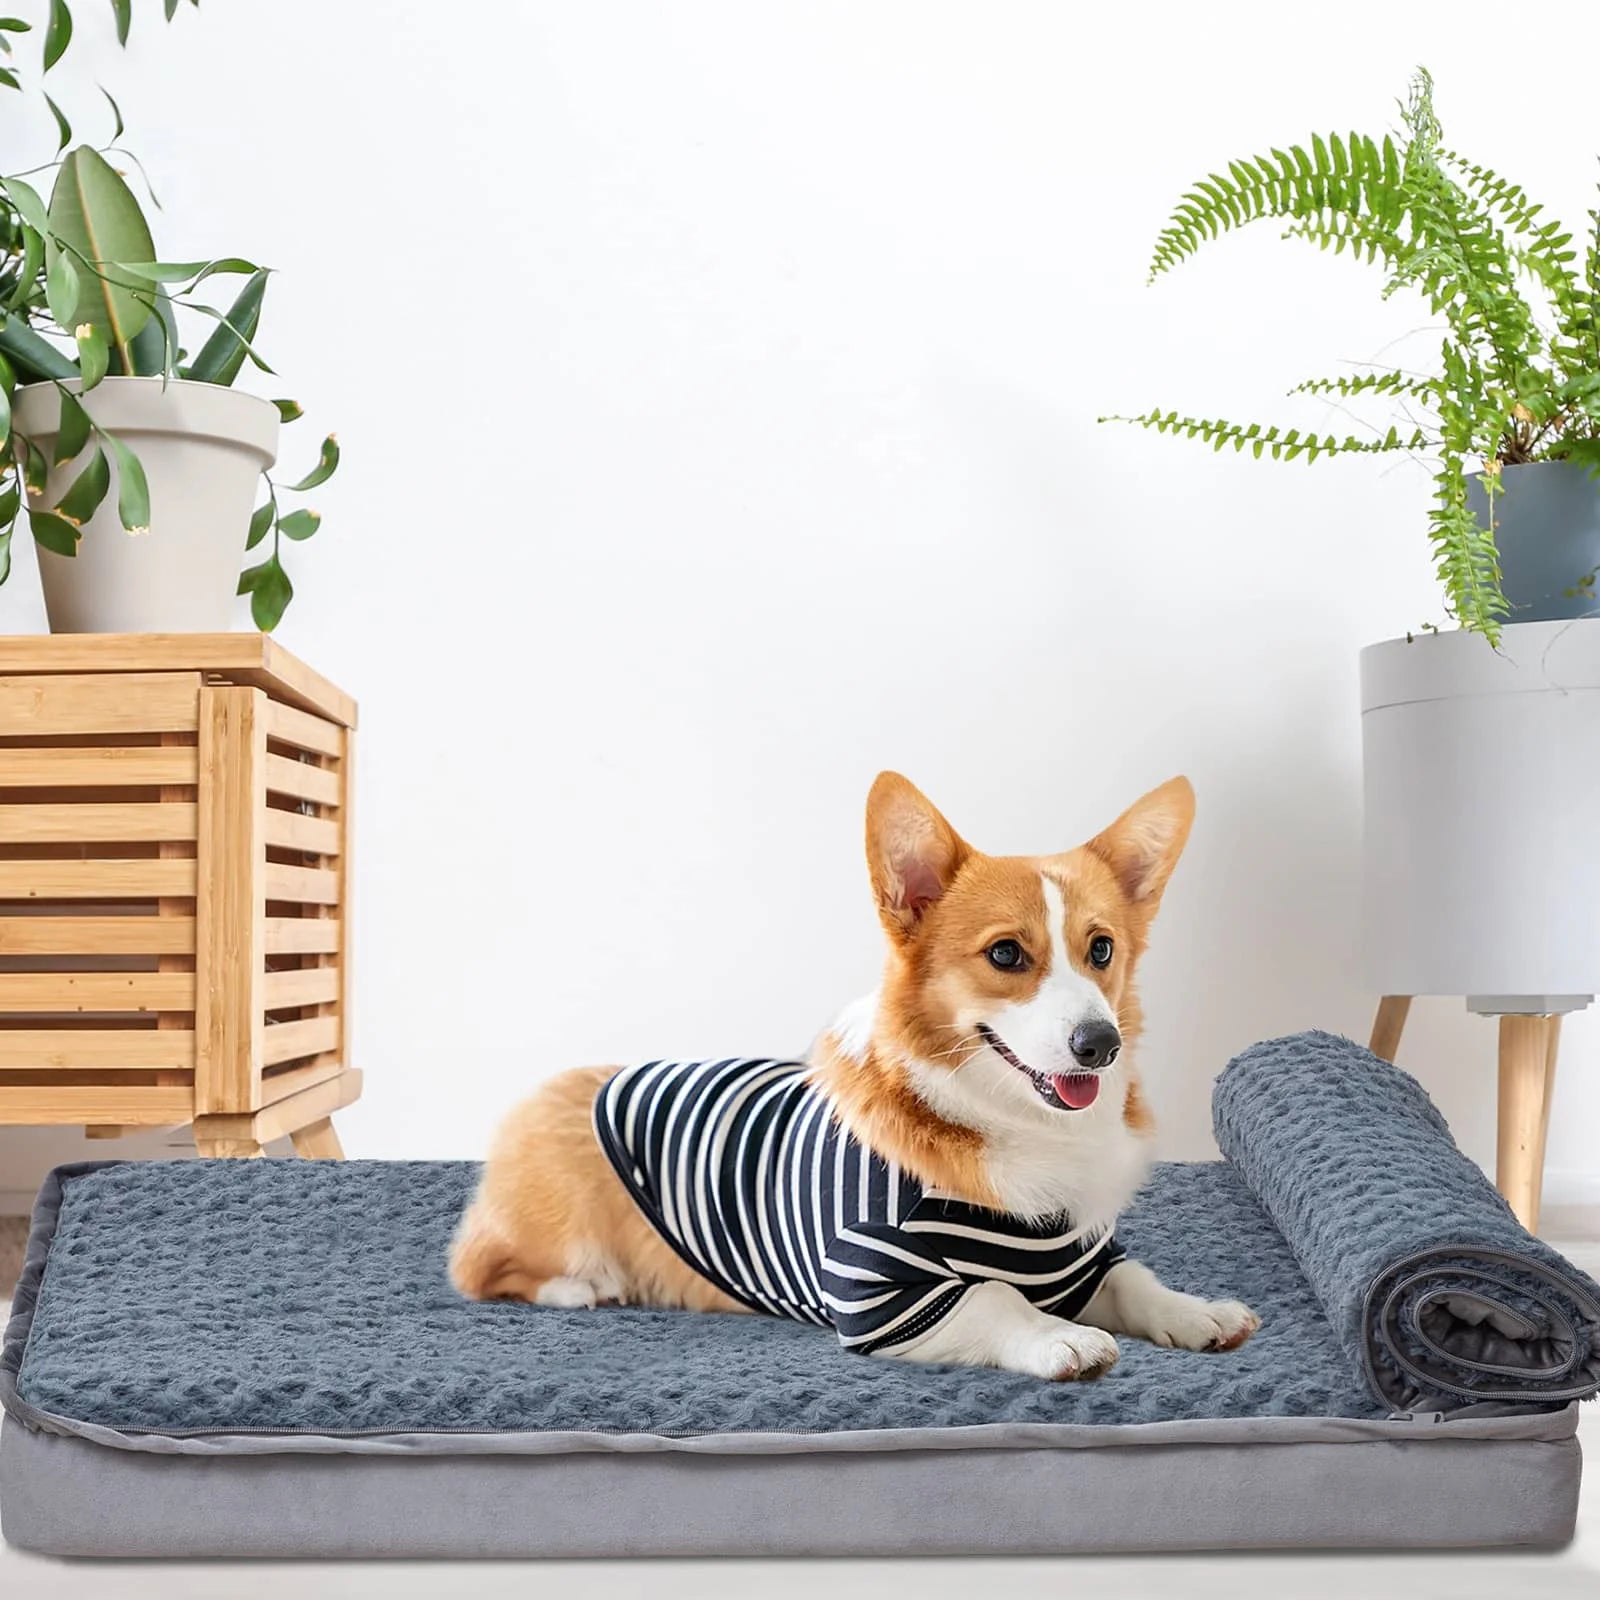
(265, 1359)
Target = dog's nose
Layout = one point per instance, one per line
(1094, 1044)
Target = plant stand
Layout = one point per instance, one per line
(1480, 770)
(174, 889)
(1530, 1038)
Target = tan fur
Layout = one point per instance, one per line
(550, 1206)
(942, 904)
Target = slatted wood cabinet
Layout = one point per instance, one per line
(174, 889)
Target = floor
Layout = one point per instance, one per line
(1469, 1575)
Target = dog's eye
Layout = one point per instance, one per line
(1007, 955)
(1100, 951)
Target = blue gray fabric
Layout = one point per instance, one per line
(311, 1296)
(1434, 1289)
(196, 1297)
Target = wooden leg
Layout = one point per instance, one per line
(1527, 1069)
(1552, 1047)
(317, 1141)
(1389, 1024)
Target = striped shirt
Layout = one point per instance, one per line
(743, 1169)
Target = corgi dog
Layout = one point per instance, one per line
(939, 1181)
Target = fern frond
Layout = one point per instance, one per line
(1356, 234)
(1464, 554)
(1355, 176)
(1546, 255)
(1585, 333)
(1394, 383)
(1281, 445)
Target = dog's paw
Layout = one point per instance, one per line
(1070, 1351)
(1189, 1323)
(569, 1293)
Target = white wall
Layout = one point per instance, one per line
(717, 384)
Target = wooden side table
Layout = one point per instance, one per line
(174, 889)
(1530, 1038)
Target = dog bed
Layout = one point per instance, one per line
(220, 1359)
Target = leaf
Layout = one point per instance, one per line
(289, 410)
(58, 35)
(10, 502)
(93, 354)
(133, 493)
(172, 8)
(259, 523)
(63, 127)
(127, 155)
(270, 593)
(29, 206)
(222, 355)
(300, 524)
(5, 420)
(82, 500)
(15, 25)
(35, 469)
(5, 552)
(28, 272)
(54, 533)
(94, 215)
(124, 15)
(61, 290)
(155, 346)
(9, 78)
(181, 271)
(326, 465)
(33, 356)
(74, 428)
(116, 110)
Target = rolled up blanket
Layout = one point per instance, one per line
(1435, 1289)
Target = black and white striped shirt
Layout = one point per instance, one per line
(743, 1169)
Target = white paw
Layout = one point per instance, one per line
(571, 1293)
(1069, 1351)
(1189, 1323)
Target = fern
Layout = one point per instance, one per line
(1519, 376)
(1346, 388)
(1281, 446)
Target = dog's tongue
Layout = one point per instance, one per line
(1076, 1089)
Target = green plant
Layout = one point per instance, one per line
(83, 296)
(1519, 366)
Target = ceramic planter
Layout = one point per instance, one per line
(203, 448)
(1482, 769)
(1547, 530)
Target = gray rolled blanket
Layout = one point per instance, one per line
(1435, 1290)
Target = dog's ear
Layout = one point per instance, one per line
(912, 853)
(1143, 845)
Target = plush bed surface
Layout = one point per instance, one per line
(266, 1358)
(233, 1296)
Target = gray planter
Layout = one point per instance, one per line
(1547, 529)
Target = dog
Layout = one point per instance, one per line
(939, 1181)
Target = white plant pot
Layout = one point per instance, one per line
(202, 448)
(1482, 778)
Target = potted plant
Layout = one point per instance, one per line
(1482, 743)
(136, 461)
